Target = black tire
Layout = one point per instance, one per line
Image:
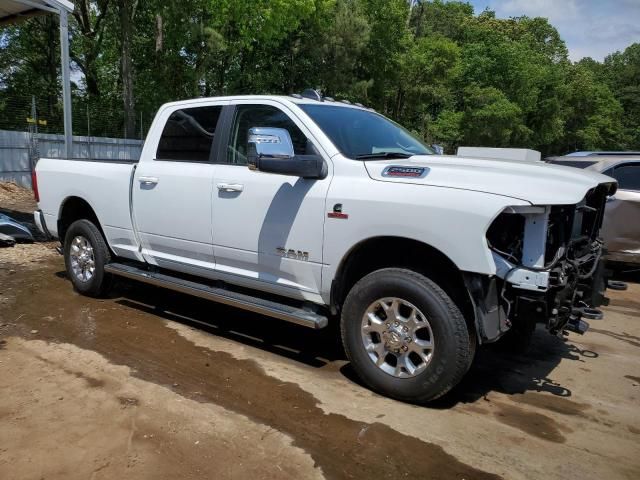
(451, 357)
(100, 282)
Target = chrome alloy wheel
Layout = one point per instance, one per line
(83, 262)
(397, 337)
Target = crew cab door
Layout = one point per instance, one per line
(267, 228)
(172, 187)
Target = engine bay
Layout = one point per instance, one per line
(549, 264)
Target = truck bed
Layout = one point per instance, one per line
(104, 184)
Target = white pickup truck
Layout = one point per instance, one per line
(308, 209)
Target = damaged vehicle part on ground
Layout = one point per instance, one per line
(8, 226)
(6, 240)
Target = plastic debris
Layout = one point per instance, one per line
(6, 240)
(8, 226)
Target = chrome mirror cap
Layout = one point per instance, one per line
(267, 142)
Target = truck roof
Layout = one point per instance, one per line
(298, 100)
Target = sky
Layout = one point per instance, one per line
(590, 28)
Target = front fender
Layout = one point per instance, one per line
(453, 221)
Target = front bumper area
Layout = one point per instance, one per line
(549, 269)
(502, 306)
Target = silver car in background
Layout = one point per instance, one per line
(621, 227)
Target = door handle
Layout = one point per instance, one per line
(148, 180)
(230, 187)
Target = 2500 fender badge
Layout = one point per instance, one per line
(400, 171)
(291, 253)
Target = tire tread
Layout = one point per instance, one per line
(102, 257)
(463, 353)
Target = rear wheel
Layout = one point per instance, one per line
(404, 336)
(85, 255)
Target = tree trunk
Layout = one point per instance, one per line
(126, 11)
(159, 33)
(53, 64)
(91, 77)
(90, 20)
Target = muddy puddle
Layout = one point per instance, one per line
(533, 423)
(130, 331)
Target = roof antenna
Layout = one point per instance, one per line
(312, 94)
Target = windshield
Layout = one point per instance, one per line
(361, 134)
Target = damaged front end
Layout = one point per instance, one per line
(549, 269)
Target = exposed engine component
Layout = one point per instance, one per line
(548, 264)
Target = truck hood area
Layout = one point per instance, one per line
(535, 182)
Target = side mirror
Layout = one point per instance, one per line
(271, 150)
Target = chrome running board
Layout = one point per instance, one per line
(270, 308)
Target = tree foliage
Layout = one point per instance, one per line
(450, 75)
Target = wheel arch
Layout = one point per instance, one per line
(389, 251)
(75, 208)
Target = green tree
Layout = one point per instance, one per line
(426, 71)
(622, 73)
(592, 114)
(29, 53)
(389, 39)
(491, 119)
(344, 42)
(448, 74)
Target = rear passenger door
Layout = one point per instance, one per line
(172, 189)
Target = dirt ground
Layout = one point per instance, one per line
(153, 384)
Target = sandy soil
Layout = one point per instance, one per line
(15, 197)
(19, 204)
(152, 384)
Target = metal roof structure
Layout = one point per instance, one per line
(12, 11)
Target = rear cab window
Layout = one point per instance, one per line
(188, 134)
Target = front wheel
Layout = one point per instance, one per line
(404, 336)
(85, 255)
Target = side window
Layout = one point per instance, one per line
(188, 134)
(628, 176)
(249, 116)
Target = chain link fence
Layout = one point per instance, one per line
(44, 114)
(32, 126)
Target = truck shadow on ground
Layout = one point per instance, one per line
(517, 373)
(316, 348)
(492, 371)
